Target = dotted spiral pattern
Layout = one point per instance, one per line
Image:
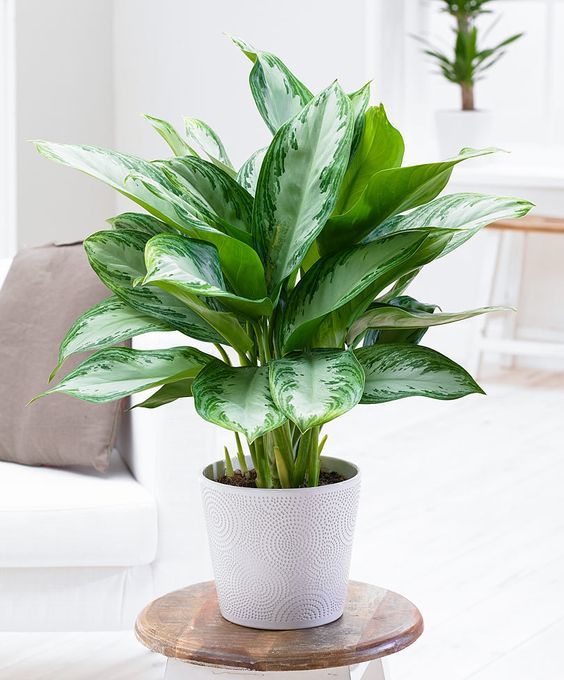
(281, 558)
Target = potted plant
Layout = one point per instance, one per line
(467, 64)
(293, 269)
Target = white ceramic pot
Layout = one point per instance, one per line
(459, 129)
(281, 557)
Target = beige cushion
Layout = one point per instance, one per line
(45, 290)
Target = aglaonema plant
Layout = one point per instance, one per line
(469, 59)
(294, 268)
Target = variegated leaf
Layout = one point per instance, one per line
(238, 399)
(249, 172)
(225, 199)
(177, 263)
(148, 185)
(359, 102)
(207, 142)
(470, 212)
(168, 393)
(314, 387)
(239, 261)
(335, 281)
(117, 257)
(381, 147)
(299, 180)
(117, 372)
(397, 371)
(393, 317)
(278, 94)
(108, 323)
(146, 224)
(388, 193)
(176, 142)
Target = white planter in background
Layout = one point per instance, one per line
(281, 557)
(459, 129)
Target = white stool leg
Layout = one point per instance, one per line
(485, 293)
(178, 670)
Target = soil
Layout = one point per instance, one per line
(249, 480)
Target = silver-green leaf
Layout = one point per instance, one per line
(237, 398)
(388, 317)
(108, 323)
(201, 136)
(117, 257)
(299, 181)
(314, 387)
(172, 137)
(117, 372)
(278, 94)
(249, 172)
(468, 211)
(397, 371)
(177, 262)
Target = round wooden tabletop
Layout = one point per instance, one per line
(187, 625)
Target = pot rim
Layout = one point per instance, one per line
(327, 488)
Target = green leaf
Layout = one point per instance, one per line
(168, 393)
(391, 317)
(176, 142)
(394, 335)
(387, 193)
(223, 197)
(117, 372)
(203, 138)
(315, 387)
(105, 324)
(381, 147)
(299, 180)
(278, 94)
(359, 102)
(469, 212)
(336, 281)
(240, 263)
(146, 224)
(398, 371)
(249, 172)
(117, 257)
(238, 399)
(179, 263)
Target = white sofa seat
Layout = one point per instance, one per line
(65, 517)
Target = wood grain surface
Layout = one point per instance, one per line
(187, 625)
(531, 223)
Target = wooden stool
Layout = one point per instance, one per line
(186, 627)
(503, 267)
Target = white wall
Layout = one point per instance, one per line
(172, 59)
(64, 93)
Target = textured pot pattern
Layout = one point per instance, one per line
(281, 557)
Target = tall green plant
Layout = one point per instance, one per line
(469, 59)
(293, 268)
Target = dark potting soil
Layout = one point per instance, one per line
(250, 479)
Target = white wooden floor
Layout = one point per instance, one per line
(462, 511)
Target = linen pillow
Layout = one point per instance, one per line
(45, 290)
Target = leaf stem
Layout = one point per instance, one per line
(241, 454)
(223, 353)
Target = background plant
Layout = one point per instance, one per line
(469, 60)
(298, 262)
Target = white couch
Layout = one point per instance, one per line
(80, 550)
